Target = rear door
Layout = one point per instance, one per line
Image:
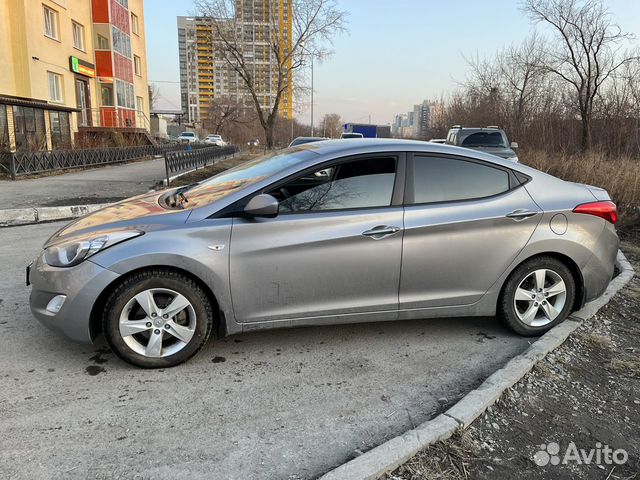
(334, 249)
(465, 222)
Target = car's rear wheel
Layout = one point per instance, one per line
(538, 295)
(157, 318)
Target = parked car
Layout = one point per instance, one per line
(390, 230)
(217, 140)
(303, 140)
(188, 137)
(254, 142)
(351, 135)
(489, 139)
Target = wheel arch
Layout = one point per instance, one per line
(568, 262)
(95, 318)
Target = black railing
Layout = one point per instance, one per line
(28, 163)
(178, 162)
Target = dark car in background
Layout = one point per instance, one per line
(491, 140)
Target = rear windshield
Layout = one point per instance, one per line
(484, 139)
(188, 134)
(242, 176)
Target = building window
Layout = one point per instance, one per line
(55, 87)
(29, 128)
(137, 65)
(106, 93)
(103, 43)
(139, 104)
(4, 130)
(60, 130)
(124, 3)
(135, 26)
(50, 22)
(121, 42)
(78, 35)
(124, 94)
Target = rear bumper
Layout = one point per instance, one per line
(81, 285)
(598, 271)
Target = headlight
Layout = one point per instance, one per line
(73, 251)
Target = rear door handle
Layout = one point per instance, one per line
(521, 214)
(381, 231)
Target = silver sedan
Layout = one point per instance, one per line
(328, 232)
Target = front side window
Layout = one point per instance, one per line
(78, 35)
(50, 22)
(437, 179)
(55, 87)
(365, 183)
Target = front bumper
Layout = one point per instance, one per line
(82, 285)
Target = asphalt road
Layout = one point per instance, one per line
(286, 404)
(97, 185)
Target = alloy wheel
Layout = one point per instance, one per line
(157, 322)
(540, 297)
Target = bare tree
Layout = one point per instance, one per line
(222, 112)
(587, 52)
(314, 24)
(154, 96)
(331, 125)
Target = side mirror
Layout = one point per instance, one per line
(263, 205)
(514, 145)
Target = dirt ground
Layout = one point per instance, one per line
(586, 392)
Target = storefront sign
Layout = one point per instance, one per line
(81, 67)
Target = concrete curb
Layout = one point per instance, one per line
(27, 216)
(393, 453)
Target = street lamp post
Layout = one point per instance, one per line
(310, 55)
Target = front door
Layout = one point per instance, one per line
(465, 222)
(84, 105)
(334, 249)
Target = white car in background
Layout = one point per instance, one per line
(217, 140)
(188, 137)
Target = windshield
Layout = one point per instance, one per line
(239, 177)
(188, 134)
(484, 139)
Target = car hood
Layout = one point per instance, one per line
(143, 212)
(498, 152)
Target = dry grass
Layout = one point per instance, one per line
(626, 365)
(620, 176)
(446, 460)
(596, 340)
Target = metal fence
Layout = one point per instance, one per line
(27, 163)
(178, 162)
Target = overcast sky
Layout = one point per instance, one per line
(397, 53)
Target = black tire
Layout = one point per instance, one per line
(507, 309)
(157, 279)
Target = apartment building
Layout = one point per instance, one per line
(205, 76)
(68, 67)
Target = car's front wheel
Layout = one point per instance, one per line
(538, 295)
(157, 318)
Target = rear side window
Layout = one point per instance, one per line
(437, 179)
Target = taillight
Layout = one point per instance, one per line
(606, 210)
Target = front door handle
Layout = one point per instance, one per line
(521, 214)
(381, 231)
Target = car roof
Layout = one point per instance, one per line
(331, 148)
